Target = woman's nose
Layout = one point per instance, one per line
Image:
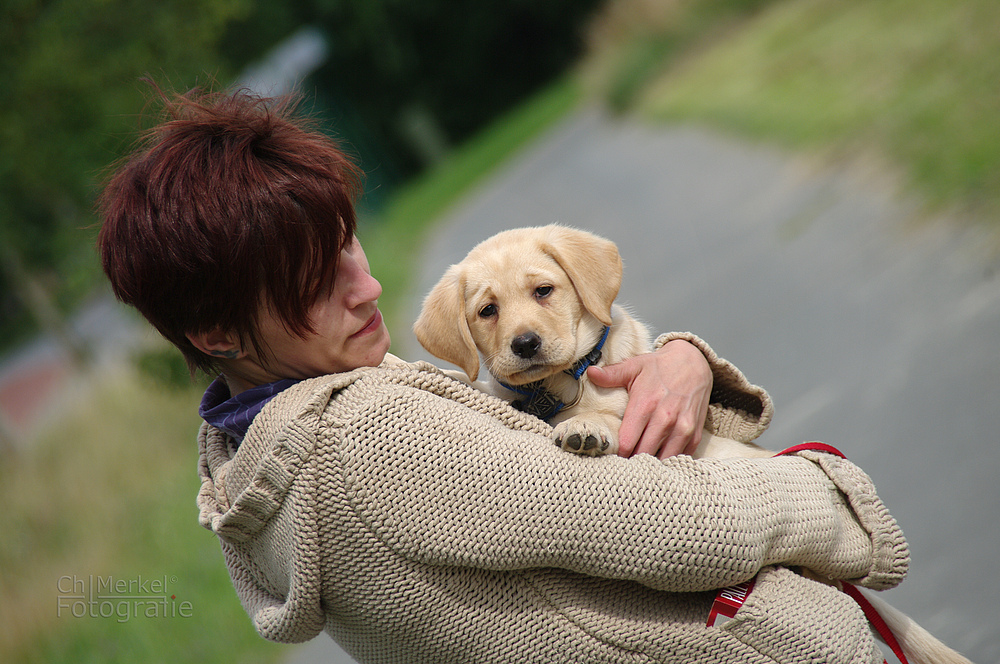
(362, 287)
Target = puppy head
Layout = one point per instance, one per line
(531, 300)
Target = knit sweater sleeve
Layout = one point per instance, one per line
(737, 409)
(445, 484)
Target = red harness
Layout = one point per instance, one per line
(729, 600)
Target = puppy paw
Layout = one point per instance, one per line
(585, 437)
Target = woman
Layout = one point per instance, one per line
(415, 519)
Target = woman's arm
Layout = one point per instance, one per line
(444, 484)
(679, 391)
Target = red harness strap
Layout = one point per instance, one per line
(729, 600)
(875, 619)
(815, 447)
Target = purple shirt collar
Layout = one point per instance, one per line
(233, 415)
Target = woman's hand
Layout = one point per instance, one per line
(668, 393)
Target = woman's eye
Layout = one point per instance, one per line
(543, 291)
(488, 311)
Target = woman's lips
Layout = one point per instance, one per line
(374, 323)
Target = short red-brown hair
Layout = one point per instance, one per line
(229, 204)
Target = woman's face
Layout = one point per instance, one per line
(348, 331)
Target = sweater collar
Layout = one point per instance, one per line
(234, 414)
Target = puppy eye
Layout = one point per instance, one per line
(543, 291)
(488, 311)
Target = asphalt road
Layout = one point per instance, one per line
(872, 333)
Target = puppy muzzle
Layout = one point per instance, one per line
(526, 346)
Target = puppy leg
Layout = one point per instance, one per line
(591, 433)
(716, 447)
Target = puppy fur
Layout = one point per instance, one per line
(554, 287)
(530, 302)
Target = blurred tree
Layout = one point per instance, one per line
(425, 74)
(70, 74)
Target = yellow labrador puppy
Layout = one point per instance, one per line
(537, 304)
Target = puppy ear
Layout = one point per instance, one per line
(442, 328)
(592, 263)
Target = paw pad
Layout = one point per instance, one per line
(589, 444)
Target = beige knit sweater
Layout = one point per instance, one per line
(415, 519)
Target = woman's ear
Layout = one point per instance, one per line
(217, 343)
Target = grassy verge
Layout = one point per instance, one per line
(631, 42)
(911, 83)
(393, 240)
(107, 494)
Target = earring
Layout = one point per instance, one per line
(227, 354)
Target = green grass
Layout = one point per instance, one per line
(910, 83)
(108, 492)
(633, 41)
(393, 240)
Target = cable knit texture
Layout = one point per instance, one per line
(415, 519)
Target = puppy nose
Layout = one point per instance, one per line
(526, 345)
